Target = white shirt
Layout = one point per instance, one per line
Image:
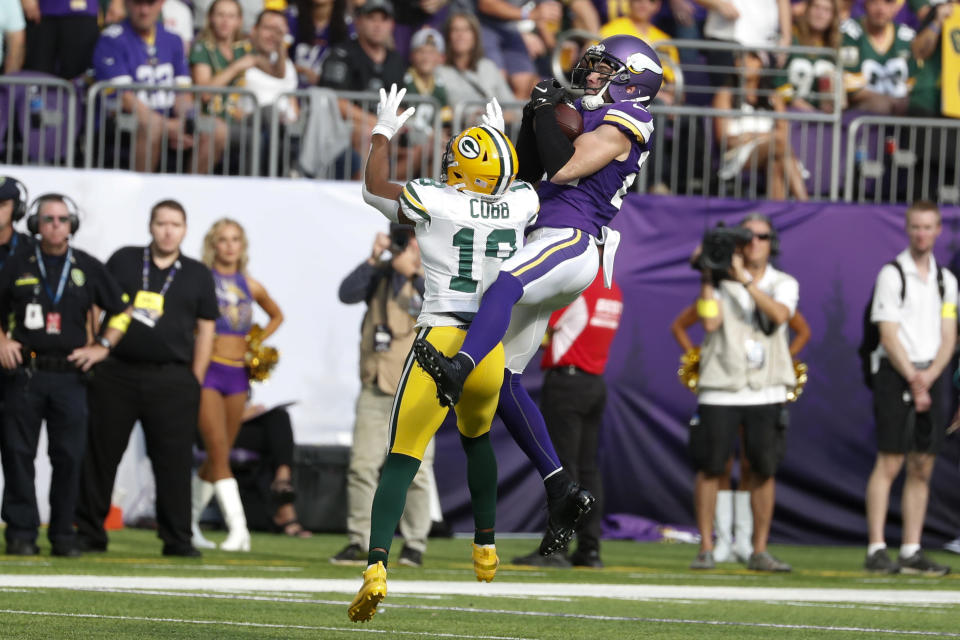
(268, 88)
(919, 316)
(783, 288)
(759, 23)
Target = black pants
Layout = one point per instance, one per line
(270, 435)
(572, 404)
(61, 45)
(31, 397)
(166, 401)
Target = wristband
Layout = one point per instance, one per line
(707, 308)
(120, 322)
(103, 342)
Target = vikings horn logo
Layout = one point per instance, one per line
(639, 62)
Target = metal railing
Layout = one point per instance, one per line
(132, 126)
(839, 155)
(414, 153)
(905, 158)
(38, 120)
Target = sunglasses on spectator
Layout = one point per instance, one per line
(52, 219)
(761, 236)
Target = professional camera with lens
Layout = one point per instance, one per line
(718, 247)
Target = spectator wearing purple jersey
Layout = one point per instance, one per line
(316, 25)
(11, 36)
(61, 35)
(140, 51)
(414, 15)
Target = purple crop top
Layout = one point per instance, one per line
(235, 302)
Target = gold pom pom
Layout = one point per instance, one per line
(800, 371)
(259, 358)
(689, 371)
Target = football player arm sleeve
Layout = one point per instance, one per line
(530, 168)
(554, 147)
(377, 190)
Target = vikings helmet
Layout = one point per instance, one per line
(637, 73)
(480, 160)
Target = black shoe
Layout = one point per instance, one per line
(552, 561)
(22, 548)
(589, 558)
(448, 373)
(440, 529)
(566, 516)
(182, 550)
(410, 557)
(879, 562)
(920, 564)
(350, 555)
(86, 545)
(66, 551)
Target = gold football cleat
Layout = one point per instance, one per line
(374, 589)
(485, 563)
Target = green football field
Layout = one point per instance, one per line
(287, 588)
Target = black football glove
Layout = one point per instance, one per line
(547, 93)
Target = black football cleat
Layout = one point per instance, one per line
(566, 516)
(447, 373)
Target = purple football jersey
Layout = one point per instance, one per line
(593, 201)
(68, 7)
(123, 57)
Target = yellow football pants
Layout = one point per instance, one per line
(417, 413)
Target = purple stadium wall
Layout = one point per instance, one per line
(835, 251)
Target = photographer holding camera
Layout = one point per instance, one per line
(393, 290)
(745, 371)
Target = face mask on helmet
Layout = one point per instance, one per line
(482, 161)
(628, 69)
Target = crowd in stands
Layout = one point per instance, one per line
(470, 50)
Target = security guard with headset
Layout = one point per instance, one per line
(47, 292)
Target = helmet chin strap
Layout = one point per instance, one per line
(593, 102)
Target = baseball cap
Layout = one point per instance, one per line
(427, 35)
(375, 5)
(8, 189)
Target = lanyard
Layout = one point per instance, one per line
(146, 272)
(63, 274)
(13, 249)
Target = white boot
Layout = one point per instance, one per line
(723, 527)
(228, 495)
(200, 493)
(742, 526)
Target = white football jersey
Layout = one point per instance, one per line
(463, 240)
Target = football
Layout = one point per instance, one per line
(569, 119)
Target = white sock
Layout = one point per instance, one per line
(909, 550)
(873, 547)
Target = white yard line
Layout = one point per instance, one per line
(263, 625)
(494, 589)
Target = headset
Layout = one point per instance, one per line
(33, 217)
(20, 202)
(774, 236)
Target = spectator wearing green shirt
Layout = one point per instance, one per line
(807, 79)
(925, 100)
(219, 57)
(879, 67)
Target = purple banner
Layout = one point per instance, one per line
(835, 251)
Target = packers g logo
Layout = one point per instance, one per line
(469, 147)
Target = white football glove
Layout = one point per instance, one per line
(493, 117)
(388, 121)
